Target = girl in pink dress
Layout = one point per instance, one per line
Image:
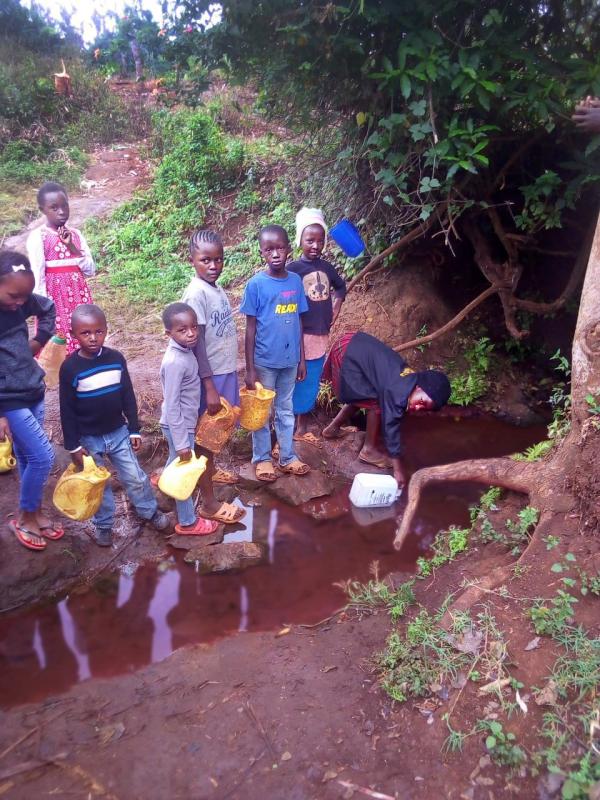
(60, 259)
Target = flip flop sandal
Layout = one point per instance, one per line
(295, 468)
(380, 463)
(22, 533)
(308, 438)
(224, 476)
(52, 532)
(264, 472)
(202, 527)
(227, 513)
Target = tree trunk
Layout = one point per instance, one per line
(568, 479)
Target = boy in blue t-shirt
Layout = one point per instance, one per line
(273, 302)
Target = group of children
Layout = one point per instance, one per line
(289, 310)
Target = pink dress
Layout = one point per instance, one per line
(61, 275)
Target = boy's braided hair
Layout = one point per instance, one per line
(204, 236)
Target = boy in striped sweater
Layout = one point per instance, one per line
(98, 413)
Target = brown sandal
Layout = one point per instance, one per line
(227, 513)
(295, 467)
(224, 476)
(264, 472)
(308, 438)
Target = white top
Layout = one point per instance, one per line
(213, 310)
(35, 252)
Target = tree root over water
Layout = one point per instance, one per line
(540, 481)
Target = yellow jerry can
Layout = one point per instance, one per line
(256, 406)
(7, 460)
(78, 494)
(179, 478)
(51, 359)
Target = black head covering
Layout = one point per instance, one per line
(435, 384)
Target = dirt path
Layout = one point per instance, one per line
(113, 176)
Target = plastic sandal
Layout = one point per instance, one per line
(202, 527)
(227, 513)
(224, 476)
(52, 532)
(264, 472)
(22, 533)
(296, 467)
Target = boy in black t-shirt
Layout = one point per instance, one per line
(320, 279)
(96, 402)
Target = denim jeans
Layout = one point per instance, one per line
(116, 446)
(33, 452)
(283, 382)
(185, 508)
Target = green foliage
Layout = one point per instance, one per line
(378, 592)
(560, 400)
(474, 382)
(515, 535)
(446, 546)
(551, 618)
(536, 452)
(593, 404)
(501, 744)
(25, 162)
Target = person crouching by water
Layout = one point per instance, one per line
(366, 373)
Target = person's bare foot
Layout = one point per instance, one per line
(29, 520)
(332, 431)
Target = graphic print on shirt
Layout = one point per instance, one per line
(285, 304)
(221, 321)
(316, 286)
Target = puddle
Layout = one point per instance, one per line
(140, 616)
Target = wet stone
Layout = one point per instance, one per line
(298, 489)
(197, 542)
(223, 557)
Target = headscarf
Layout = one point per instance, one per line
(435, 384)
(309, 216)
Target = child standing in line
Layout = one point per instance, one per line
(319, 279)
(273, 302)
(216, 354)
(96, 400)
(181, 391)
(22, 395)
(60, 259)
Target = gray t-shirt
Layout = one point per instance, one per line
(181, 392)
(214, 311)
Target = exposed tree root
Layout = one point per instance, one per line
(503, 472)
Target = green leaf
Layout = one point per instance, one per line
(418, 107)
(556, 567)
(570, 557)
(490, 742)
(405, 86)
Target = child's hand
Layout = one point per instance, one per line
(301, 373)
(251, 379)
(587, 115)
(4, 429)
(77, 458)
(184, 455)
(213, 401)
(136, 443)
(66, 237)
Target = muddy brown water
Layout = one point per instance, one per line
(141, 614)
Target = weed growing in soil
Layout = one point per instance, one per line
(501, 744)
(378, 592)
(474, 382)
(536, 452)
(446, 546)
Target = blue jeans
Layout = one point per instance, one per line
(283, 382)
(33, 452)
(116, 446)
(185, 508)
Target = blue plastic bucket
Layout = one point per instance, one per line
(346, 234)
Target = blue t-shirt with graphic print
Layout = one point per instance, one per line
(277, 304)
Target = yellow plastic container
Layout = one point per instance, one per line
(78, 494)
(7, 460)
(179, 478)
(213, 431)
(51, 359)
(256, 406)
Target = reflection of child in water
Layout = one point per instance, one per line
(320, 280)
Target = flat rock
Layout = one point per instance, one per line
(298, 489)
(223, 557)
(188, 542)
(248, 479)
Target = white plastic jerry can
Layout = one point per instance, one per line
(369, 489)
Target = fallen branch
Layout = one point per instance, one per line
(453, 322)
(504, 472)
(363, 790)
(261, 729)
(28, 766)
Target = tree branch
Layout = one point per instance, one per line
(452, 323)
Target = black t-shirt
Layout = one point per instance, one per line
(319, 279)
